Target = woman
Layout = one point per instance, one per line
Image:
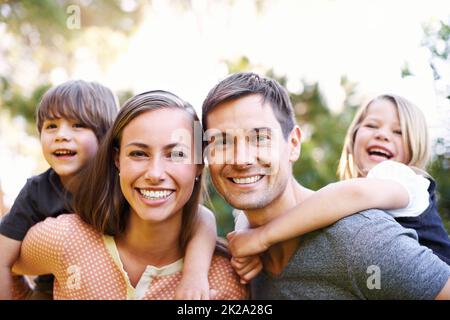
(137, 205)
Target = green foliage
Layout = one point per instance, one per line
(437, 41)
(18, 104)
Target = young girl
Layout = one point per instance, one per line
(72, 120)
(138, 210)
(382, 163)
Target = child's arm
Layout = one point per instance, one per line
(10, 250)
(194, 282)
(247, 267)
(321, 209)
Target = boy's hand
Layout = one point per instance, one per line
(248, 242)
(247, 267)
(191, 288)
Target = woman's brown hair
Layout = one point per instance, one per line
(99, 200)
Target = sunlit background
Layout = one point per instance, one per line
(332, 53)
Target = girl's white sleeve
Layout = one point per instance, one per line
(240, 220)
(415, 184)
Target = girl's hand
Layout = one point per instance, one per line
(247, 267)
(248, 242)
(194, 288)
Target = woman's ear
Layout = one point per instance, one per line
(295, 143)
(116, 158)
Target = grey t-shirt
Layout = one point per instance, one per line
(364, 256)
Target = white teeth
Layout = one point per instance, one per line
(380, 151)
(247, 180)
(155, 195)
(64, 152)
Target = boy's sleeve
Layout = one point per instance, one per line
(415, 184)
(41, 248)
(389, 263)
(19, 219)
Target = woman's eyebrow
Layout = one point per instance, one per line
(176, 144)
(137, 144)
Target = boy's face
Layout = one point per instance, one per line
(249, 160)
(67, 146)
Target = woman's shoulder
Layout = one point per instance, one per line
(65, 223)
(223, 278)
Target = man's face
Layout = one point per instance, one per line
(249, 160)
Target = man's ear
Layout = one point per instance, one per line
(295, 143)
(116, 158)
(199, 170)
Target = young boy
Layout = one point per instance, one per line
(72, 119)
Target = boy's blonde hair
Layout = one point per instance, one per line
(414, 134)
(90, 103)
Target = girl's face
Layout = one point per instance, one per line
(379, 137)
(67, 146)
(157, 173)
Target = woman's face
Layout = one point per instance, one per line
(157, 173)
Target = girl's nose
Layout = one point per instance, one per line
(381, 134)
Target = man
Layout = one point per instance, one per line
(253, 143)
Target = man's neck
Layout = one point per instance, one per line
(277, 257)
(289, 198)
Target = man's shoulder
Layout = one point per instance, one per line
(366, 224)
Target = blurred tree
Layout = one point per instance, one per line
(45, 38)
(437, 41)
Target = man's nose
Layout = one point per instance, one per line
(243, 153)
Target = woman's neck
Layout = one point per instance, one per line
(149, 243)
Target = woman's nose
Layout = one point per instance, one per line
(155, 171)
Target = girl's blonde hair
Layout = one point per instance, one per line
(414, 134)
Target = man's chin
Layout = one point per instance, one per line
(246, 204)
